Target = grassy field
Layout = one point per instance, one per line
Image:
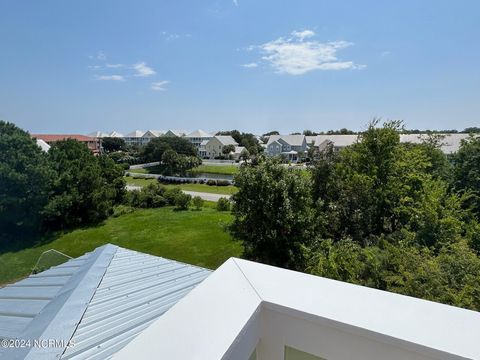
(209, 169)
(194, 237)
(217, 169)
(223, 190)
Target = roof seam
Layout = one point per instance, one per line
(86, 307)
(248, 280)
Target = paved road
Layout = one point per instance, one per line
(203, 195)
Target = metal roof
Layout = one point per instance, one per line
(99, 302)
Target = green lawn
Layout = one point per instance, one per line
(217, 169)
(209, 169)
(224, 190)
(194, 237)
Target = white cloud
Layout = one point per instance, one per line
(143, 70)
(296, 56)
(235, 2)
(301, 35)
(250, 65)
(110, 78)
(160, 85)
(385, 53)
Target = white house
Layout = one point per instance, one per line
(134, 138)
(119, 304)
(198, 137)
(173, 132)
(288, 146)
(214, 146)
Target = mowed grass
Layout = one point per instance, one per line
(208, 169)
(223, 190)
(193, 237)
(217, 169)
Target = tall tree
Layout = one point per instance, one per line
(467, 171)
(155, 148)
(273, 213)
(25, 179)
(84, 191)
(111, 144)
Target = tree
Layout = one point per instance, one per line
(25, 178)
(84, 189)
(182, 201)
(112, 144)
(247, 140)
(227, 149)
(467, 172)
(197, 202)
(273, 214)
(244, 155)
(155, 148)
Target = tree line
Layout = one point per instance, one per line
(395, 216)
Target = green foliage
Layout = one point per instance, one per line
(467, 172)
(223, 204)
(85, 188)
(197, 202)
(182, 201)
(153, 195)
(227, 149)
(112, 144)
(25, 178)
(451, 277)
(247, 140)
(175, 163)
(273, 213)
(155, 148)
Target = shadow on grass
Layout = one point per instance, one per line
(21, 240)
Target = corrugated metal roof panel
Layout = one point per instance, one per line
(99, 301)
(135, 290)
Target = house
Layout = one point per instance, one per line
(214, 146)
(98, 303)
(291, 147)
(134, 138)
(119, 304)
(197, 137)
(449, 143)
(178, 133)
(149, 135)
(338, 141)
(115, 134)
(93, 144)
(98, 134)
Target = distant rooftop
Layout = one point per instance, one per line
(57, 137)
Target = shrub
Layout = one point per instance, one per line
(197, 202)
(151, 196)
(211, 182)
(182, 201)
(171, 194)
(223, 182)
(223, 204)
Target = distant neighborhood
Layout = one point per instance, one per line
(292, 147)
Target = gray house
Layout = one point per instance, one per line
(289, 146)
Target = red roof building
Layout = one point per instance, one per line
(92, 143)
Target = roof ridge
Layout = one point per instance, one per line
(60, 317)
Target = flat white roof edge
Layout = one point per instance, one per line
(219, 318)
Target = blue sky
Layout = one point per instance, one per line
(255, 65)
